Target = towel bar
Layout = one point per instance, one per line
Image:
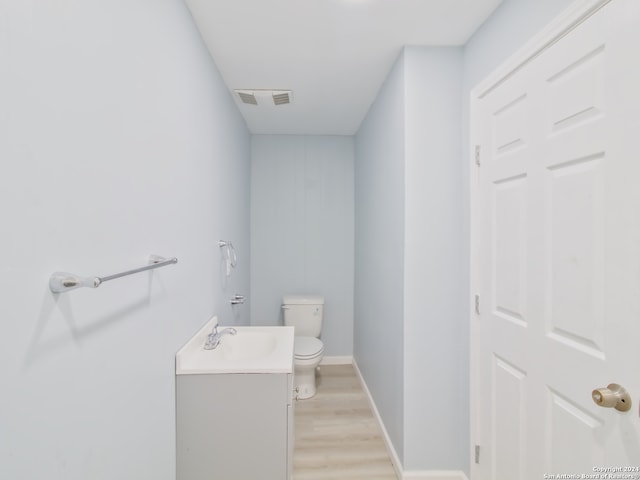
(60, 282)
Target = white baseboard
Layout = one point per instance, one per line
(395, 460)
(337, 360)
(434, 475)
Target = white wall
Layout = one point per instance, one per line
(119, 140)
(302, 229)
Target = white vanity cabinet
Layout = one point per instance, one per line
(234, 408)
(234, 426)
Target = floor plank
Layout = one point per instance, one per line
(336, 435)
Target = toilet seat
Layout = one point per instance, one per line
(307, 347)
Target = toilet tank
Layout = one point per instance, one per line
(304, 312)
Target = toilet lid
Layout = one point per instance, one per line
(307, 347)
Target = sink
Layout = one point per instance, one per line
(248, 345)
(251, 350)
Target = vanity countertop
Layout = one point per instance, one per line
(253, 349)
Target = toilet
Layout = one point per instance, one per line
(304, 313)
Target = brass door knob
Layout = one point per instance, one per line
(614, 396)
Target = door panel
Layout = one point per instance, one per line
(574, 256)
(509, 221)
(509, 399)
(571, 424)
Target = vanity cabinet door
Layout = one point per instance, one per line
(233, 426)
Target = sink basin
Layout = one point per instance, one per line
(248, 345)
(251, 350)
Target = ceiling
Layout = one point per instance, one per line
(333, 54)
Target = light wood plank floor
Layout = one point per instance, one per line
(336, 435)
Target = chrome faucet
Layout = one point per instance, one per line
(213, 339)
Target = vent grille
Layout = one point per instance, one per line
(281, 98)
(265, 97)
(247, 97)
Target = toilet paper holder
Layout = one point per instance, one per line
(613, 396)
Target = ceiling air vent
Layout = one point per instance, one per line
(247, 96)
(265, 97)
(281, 98)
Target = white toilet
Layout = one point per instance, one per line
(304, 312)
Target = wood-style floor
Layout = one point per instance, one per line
(336, 435)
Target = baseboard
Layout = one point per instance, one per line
(434, 475)
(337, 360)
(395, 460)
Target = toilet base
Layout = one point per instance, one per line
(306, 391)
(305, 382)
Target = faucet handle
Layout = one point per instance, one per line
(237, 299)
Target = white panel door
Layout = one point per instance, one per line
(556, 259)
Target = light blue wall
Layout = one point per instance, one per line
(302, 229)
(379, 252)
(412, 237)
(407, 302)
(433, 270)
(118, 140)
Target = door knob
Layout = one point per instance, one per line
(614, 396)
